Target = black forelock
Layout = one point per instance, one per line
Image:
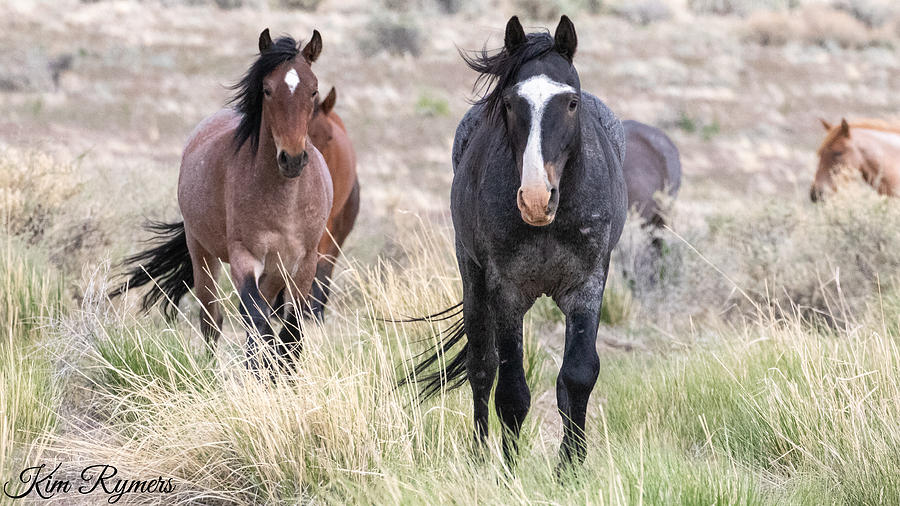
(498, 71)
(248, 96)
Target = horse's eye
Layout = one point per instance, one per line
(572, 105)
(267, 92)
(507, 106)
(315, 92)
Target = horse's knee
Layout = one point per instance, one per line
(579, 373)
(512, 401)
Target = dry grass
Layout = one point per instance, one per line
(768, 412)
(814, 24)
(34, 188)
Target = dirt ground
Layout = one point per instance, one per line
(143, 74)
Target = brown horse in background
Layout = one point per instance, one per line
(254, 192)
(870, 148)
(329, 136)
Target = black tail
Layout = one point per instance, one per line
(166, 264)
(451, 372)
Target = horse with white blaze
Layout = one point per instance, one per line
(538, 202)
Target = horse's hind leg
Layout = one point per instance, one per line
(330, 248)
(290, 339)
(206, 269)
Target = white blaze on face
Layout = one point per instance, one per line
(538, 91)
(291, 79)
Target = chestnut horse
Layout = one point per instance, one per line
(254, 192)
(868, 147)
(329, 136)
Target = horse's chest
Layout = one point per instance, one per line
(549, 263)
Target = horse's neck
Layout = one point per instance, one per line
(879, 148)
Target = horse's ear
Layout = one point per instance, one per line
(845, 128)
(515, 34)
(565, 40)
(265, 41)
(313, 47)
(328, 104)
(825, 124)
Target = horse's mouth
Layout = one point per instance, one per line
(539, 221)
(290, 173)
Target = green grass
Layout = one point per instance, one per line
(30, 293)
(429, 104)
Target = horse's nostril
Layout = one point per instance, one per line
(282, 158)
(304, 158)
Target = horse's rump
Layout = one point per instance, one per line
(651, 165)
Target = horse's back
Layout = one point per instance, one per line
(341, 160)
(469, 122)
(606, 124)
(651, 165)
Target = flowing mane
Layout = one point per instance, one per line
(866, 124)
(497, 70)
(248, 96)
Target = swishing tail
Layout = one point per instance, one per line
(166, 264)
(451, 372)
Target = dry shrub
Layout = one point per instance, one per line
(304, 5)
(873, 13)
(814, 24)
(395, 34)
(824, 261)
(643, 12)
(829, 26)
(738, 7)
(768, 28)
(34, 188)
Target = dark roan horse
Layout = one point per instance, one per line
(538, 201)
(652, 169)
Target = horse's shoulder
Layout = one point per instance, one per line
(216, 126)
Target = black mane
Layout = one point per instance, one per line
(248, 96)
(497, 70)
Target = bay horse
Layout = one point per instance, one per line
(538, 202)
(652, 165)
(870, 148)
(253, 192)
(329, 136)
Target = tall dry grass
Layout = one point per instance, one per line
(769, 408)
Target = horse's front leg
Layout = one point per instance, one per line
(290, 339)
(246, 271)
(580, 366)
(512, 398)
(481, 353)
